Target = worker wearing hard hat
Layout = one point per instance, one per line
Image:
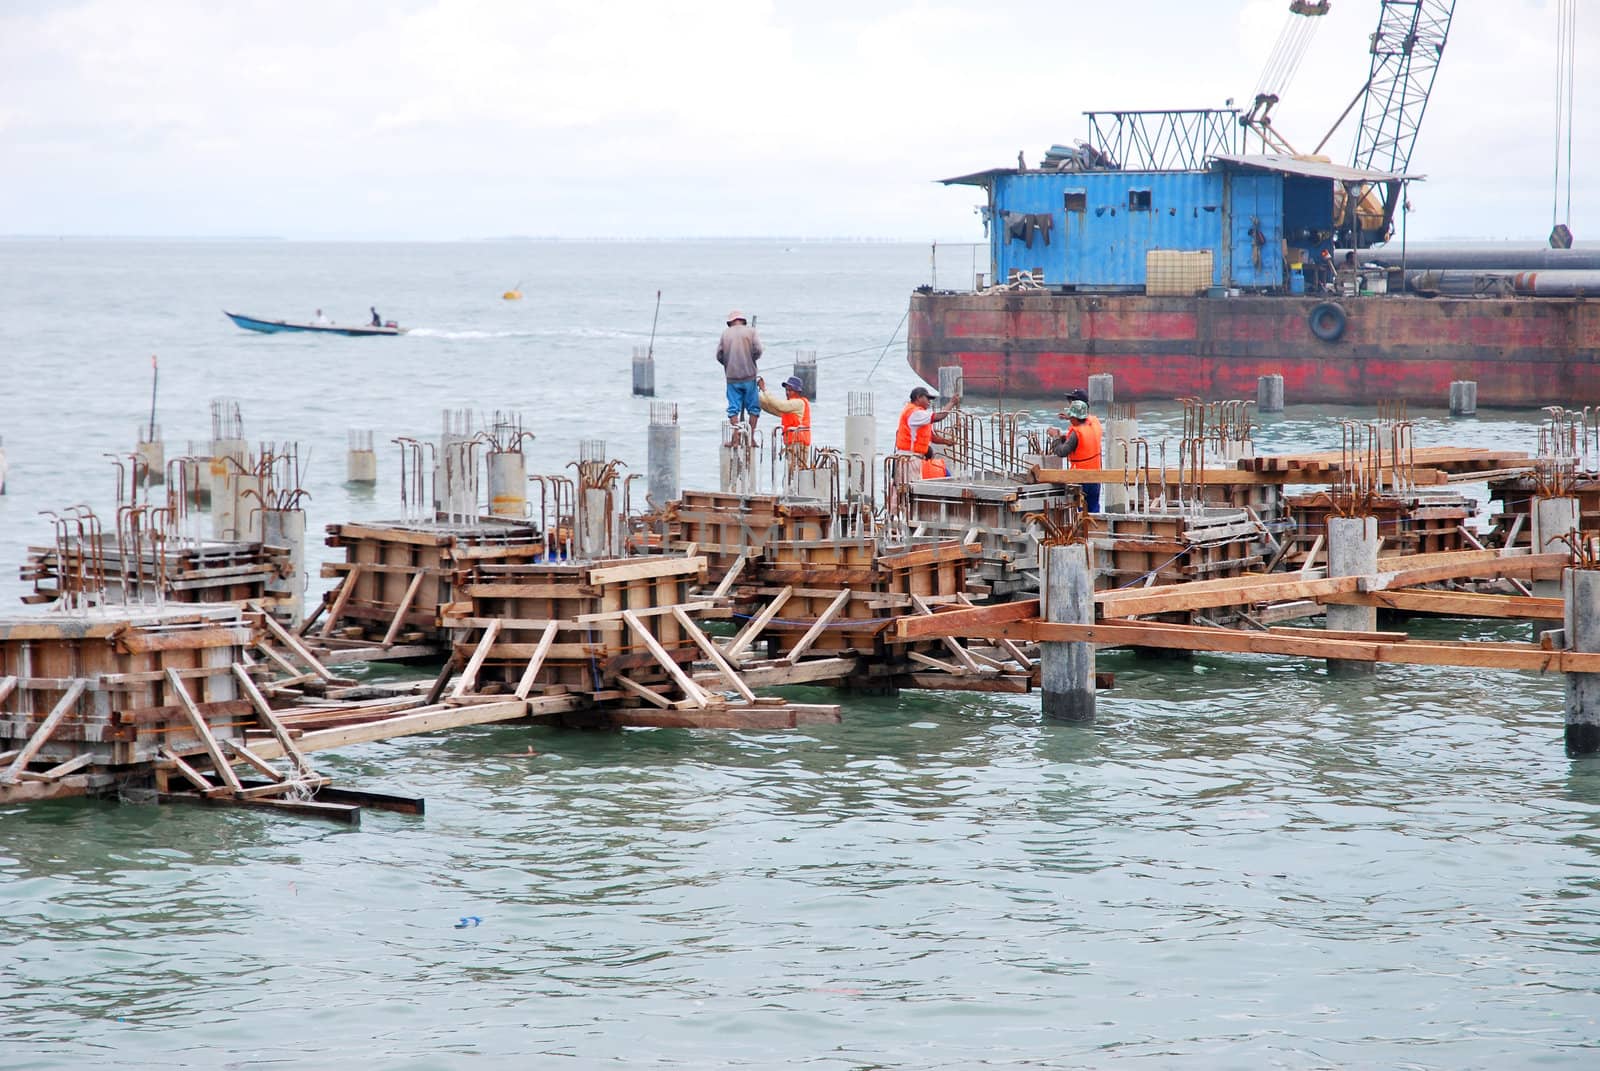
(1080, 445)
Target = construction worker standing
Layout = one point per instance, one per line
(1080, 446)
(793, 409)
(914, 432)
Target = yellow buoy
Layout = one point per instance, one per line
(512, 295)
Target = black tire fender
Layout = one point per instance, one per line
(1326, 320)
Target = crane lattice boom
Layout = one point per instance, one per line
(1405, 57)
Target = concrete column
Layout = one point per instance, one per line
(737, 463)
(644, 373)
(287, 528)
(1554, 521)
(508, 485)
(860, 444)
(952, 383)
(1463, 397)
(1119, 432)
(220, 470)
(1581, 590)
(594, 524)
(361, 463)
(805, 370)
(663, 462)
(1066, 670)
(151, 464)
(1101, 392)
(1352, 551)
(1269, 394)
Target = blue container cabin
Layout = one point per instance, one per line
(1090, 230)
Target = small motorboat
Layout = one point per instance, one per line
(272, 327)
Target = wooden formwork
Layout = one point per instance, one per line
(1176, 546)
(1511, 507)
(110, 689)
(724, 527)
(992, 515)
(605, 629)
(1407, 524)
(397, 577)
(175, 571)
(830, 597)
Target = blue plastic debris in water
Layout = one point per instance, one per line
(468, 921)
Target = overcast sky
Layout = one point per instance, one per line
(444, 119)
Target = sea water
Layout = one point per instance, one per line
(1242, 863)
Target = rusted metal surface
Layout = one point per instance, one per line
(1526, 352)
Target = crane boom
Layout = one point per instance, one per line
(1406, 49)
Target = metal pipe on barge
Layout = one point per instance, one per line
(1481, 256)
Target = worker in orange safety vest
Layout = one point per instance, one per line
(793, 410)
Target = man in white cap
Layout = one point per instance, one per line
(737, 353)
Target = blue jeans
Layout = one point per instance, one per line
(743, 397)
(1091, 497)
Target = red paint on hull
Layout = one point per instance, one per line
(1522, 352)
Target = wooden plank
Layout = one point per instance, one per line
(73, 765)
(41, 735)
(1200, 638)
(405, 605)
(270, 719)
(469, 676)
(531, 673)
(427, 720)
(347, 586)
(692, 691)
(649, 568)
(218, 761)
(7, 686)
(733, 574)
(138, 641)
(291, 641)
(950, 642)
(1456, 603)
(190, 774)
(705, 643)
(817, 627)
(748, 634)
(650, 695)
(949, 622)
(927, 660)
(1538, 566)
(252, 759)
(1340, 634)
(1012, 683)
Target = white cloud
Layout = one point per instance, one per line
(457, 118)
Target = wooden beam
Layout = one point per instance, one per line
(73, 765)
(951, 644)
(692, 691)
(400, 611)
(426, 720)
(469, 676)
(1200, 638)
(530, 674)
(250, 757)
(1538, 566)
(41, 735)
(650, 695)
(1456, 603)
(346, 586)
(190, 774)
(949, 622)
(270, 719)
(818, 626)
(943, 667)
(732, 574)
(291, 641)
(748, 635)
(219, 761)
(7, 686)
(706, 645)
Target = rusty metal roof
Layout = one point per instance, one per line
(1292, 165)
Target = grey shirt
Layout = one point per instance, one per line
(738, 351)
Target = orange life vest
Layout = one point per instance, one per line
(903, 439)
(1086, 455)
(934, 469)
(797, 426)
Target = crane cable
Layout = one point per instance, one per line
(1566, 61)
(1294, 41)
